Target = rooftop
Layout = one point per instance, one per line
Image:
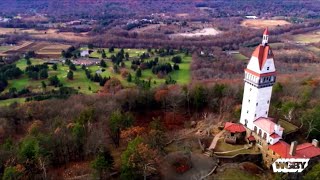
(234, 128)
(266, 124)
(306, 150)
(262, 53)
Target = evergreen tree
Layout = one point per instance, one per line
(55, 67)
(103, 54)
(70, 75)
(111, 49)
(103, 63)
(138, 73)
(129, 78)
(54, 81)
(28, 61)
(72, 67)
(43, 74)
(43, 85)
(103, 163)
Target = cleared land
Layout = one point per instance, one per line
(47, 34)
(311, 37)
(200, 32)
(42, 49)
(262, 23)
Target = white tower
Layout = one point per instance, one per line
(260, 75)
(265, 37)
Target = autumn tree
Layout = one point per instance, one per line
(138, 160)
(112, 86)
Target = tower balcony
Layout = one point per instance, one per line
(261, 82)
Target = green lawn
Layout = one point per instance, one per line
(4, 48)
(235, 174)
(10, 101)
(288, 127)
(223, 146)
(239, 56)
(132, 52)
(22, 64)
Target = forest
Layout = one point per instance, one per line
(37, 137)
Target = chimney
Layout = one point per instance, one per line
(315, 143)
(293, 148)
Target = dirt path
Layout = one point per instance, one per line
(215, 140)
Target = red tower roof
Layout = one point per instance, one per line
(266, 32)
(262, 53)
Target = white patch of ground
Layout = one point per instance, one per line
(200, 32)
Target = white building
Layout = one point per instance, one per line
(260, 75)
(84, 53)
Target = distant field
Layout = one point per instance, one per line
(47, 34)
(42, 49)
(311, 37)
(4, 48)
(261, 23)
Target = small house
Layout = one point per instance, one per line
(235, 133)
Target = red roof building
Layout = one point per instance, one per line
(234, 128)
(306, 150)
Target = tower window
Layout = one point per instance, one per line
(247, 112)
(266, 112)
(256, 104)
(249, 100)
(250, 89)
(268, 102)
(268, 68)
(255, 115)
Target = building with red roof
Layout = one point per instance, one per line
(234, 127)
(235, 133)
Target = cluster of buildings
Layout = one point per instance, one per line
(263, 132)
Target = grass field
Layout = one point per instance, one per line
(223, 146)
(132, 52)
(240, 57)
(10, 101)
(80, 82)
(4, 48)
(263, 23)
(288, 127)
(311, 37)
